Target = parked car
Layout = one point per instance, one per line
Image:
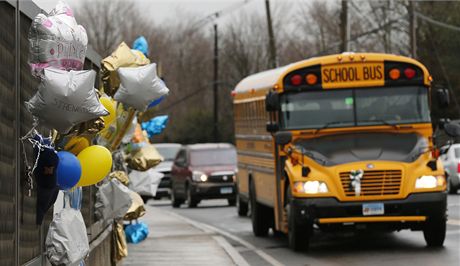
(169, 152)
(204, 171)
(451, 160)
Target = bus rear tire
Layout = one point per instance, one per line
(242, 206)
(434, 231)
(299, 234)
(259, 214)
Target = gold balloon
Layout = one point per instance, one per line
(109, 104)
(76, 145)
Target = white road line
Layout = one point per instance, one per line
(208, 228)
(453, 222)
(231, 251)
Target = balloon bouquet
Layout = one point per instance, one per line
(87, 124)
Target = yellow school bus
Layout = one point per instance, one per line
(348, 145)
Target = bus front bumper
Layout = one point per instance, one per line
(416, 208)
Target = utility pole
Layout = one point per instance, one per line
(271, 37)
(344, 27)
(216, 84)
(413, 26)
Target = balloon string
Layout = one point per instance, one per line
(35, 144)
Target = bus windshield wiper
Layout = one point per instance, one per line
(385, 122)
(331, 123)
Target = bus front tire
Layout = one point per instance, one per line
(242, 206)
(259, 215)
(299, 234)
(434, 231)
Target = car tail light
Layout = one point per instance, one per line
(458, 168)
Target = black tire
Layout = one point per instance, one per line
(145, 198)
(451, 188)
(191, 201)
(434, 231)
(259, 214)
(231, 202)
(299, 234)
(242, 206)
(175, 202)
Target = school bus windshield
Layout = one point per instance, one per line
(355, 107)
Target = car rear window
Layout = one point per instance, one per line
(213, 157)
(457, 152)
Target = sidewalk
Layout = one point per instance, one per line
(174, 241)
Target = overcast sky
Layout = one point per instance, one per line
(162, 10)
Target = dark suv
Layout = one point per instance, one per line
(204, 171)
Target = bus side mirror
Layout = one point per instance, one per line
(443, 97)
(452, 128)
(283, 137)
(272, 127)
(272, 102)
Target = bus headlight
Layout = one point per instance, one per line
(429, 181)
(199, 176)
(310, 187)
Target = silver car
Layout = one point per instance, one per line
(451, 161)
(168, 151)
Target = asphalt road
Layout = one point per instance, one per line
(398, 248)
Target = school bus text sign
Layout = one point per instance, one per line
(352, 75)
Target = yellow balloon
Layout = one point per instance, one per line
(109, 104)
(96, 162)
(76, 145)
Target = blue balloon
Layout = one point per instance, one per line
(155, 126)
(68, 171)
(156, 102)
(141, 45)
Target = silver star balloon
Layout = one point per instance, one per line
(66, 98)
(139, 86)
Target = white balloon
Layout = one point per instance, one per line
(140, 86)
(66, 98)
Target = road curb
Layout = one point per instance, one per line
(228, 248)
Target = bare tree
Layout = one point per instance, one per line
(108, 23)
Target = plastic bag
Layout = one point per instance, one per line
(140, 86)
(145, 183)
(57, 41)
(65, 99)
(67, 242)
(112, 200)
(137, 232)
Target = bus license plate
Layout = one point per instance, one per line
(373, 209)
(226, 190)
